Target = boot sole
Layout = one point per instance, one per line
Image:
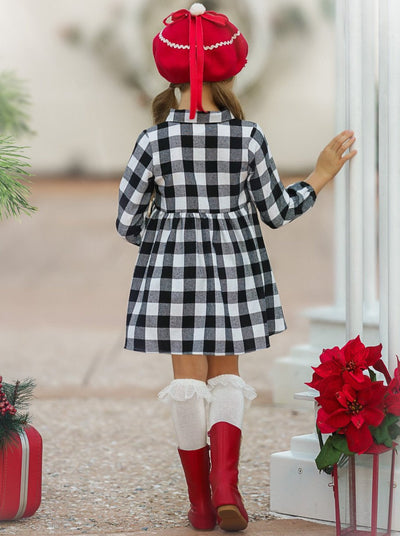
(206, 529)
(230, 518)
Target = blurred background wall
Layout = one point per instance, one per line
(88, 68)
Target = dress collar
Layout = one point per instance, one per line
(182, 116)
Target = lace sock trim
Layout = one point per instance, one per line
(185, 389)
(231, 380)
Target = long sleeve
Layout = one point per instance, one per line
(135, 191)
(276, 204)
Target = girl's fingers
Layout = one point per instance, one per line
(347, 144)
(349, 155)
(342, 138)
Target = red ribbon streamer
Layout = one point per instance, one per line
(196, 60)
(196, 51)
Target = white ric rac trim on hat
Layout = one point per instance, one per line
(187, 47)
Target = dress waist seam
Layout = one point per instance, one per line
(248, 206)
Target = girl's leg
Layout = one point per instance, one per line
(188, 396)
(222, 364)
(229, 396)
(190, 366)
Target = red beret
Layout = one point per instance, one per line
(198, 45)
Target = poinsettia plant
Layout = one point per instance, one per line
(360, 412)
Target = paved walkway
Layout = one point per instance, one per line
(273, 527)
(110, 462)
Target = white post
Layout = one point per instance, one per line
(393, 178)
(369, 156)
(383, 178)
(356, 43)
(340, 180)
(354, 225)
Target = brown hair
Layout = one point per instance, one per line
(223, 97)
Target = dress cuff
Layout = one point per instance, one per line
(307, 185)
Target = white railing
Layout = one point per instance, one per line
(360, 86)
(356, 259)
(367, 229)
(389, 176)
(356, 207)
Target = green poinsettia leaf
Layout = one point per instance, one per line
(391, 419)
(394, 431)
(328, 456)
(384, 433)
(382, 437)
(372, 375)
(339, 441)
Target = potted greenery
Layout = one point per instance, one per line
(20, 443)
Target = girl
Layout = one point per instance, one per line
(202, 289)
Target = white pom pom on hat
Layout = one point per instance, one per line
(197, 9)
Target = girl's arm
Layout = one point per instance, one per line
(331, 160)
(276, 204)
(135, 191)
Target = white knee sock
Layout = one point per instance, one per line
(230, 395)
(188, 399)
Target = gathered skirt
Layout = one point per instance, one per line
(203, 284)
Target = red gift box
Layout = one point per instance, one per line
(21, 475)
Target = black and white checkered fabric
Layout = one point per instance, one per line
(203, 282)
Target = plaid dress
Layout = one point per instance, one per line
(203, 283)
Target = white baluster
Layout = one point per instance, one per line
(383, 178)
(369, 192)
(393, 100)
(354, 238)
(340, 180)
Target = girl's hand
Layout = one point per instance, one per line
(331, 160)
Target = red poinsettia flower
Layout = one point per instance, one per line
(392, 400)
(330, 367)
(381, 367)
(351, 412)
(348, 362)
(358, 358)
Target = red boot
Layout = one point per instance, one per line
(196, 465)
(225, 447)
